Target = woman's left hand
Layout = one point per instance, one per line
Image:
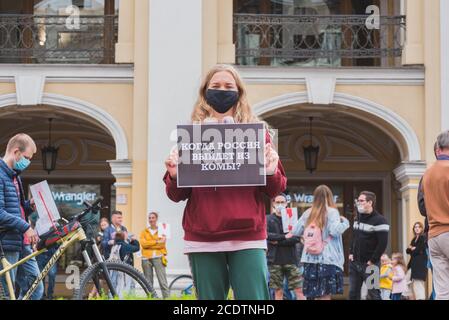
(271, 160)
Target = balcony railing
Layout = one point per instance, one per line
(57, 39)
(313, 40)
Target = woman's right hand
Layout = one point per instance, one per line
(172, 162)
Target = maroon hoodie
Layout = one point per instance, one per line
(226, 213)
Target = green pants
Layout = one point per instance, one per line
(244, 271)
(156, 263)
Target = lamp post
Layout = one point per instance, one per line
(49, 153)
(311, 153)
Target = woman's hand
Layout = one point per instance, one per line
(172, 162)
(271, 160)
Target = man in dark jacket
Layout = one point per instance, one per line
(16, 235)
(281, 254)
(109, 233)
(369, 241)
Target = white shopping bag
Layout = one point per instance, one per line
(289, 218)
(46, 207)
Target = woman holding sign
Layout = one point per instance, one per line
(225, 227)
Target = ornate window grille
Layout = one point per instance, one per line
(317, 40)
(56, 39)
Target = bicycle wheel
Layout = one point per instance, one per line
(181, 286)
(127, 282)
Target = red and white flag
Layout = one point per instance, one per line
(289, 218)
(163, 229)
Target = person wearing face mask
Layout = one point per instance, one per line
(225, 228)
(16, 234)
(281, 254)
(369, 242)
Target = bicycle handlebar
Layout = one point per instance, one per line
(89, 207)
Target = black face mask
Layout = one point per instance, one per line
(222, 100)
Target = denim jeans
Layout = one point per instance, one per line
(357, 276)
(42, 261)
(396, 296)
(12, 257)
(27, 273)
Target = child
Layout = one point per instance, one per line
(399, 280)
(386, 277)
(124, 247)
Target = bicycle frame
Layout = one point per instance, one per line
(67, 241)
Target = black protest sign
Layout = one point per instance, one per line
(218, 155)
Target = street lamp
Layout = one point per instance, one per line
(311, 153)
(49, 153)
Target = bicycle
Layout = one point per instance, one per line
(109, 279)
(185, 282)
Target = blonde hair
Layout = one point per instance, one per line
(242, 111)
(322, 199)
(400, 258)
(21, 141)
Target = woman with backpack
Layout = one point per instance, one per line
(323, 257)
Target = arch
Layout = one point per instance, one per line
(413, 150)
(87, 108)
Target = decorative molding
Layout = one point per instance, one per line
(29, 88)
(70, 73)
(338, 176)
(85, 143)
(84, 107)
(364, 155)
(321, 89)
(121, 168)
(409, 170)
(280, 102)
(444, 30)
(123, 184)
(409, 187)
(58, 143)
(353, 76)
(68, 174)
(384, 113)
(364, 105)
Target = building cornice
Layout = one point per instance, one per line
(410, 170)
(70, 73)
(352, 76)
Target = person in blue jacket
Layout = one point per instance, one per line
(16, 234)
(127, 248)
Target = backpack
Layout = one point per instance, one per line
(115, 253)
(313, 239)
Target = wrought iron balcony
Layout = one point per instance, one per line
(314, 40)
(57, 39)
